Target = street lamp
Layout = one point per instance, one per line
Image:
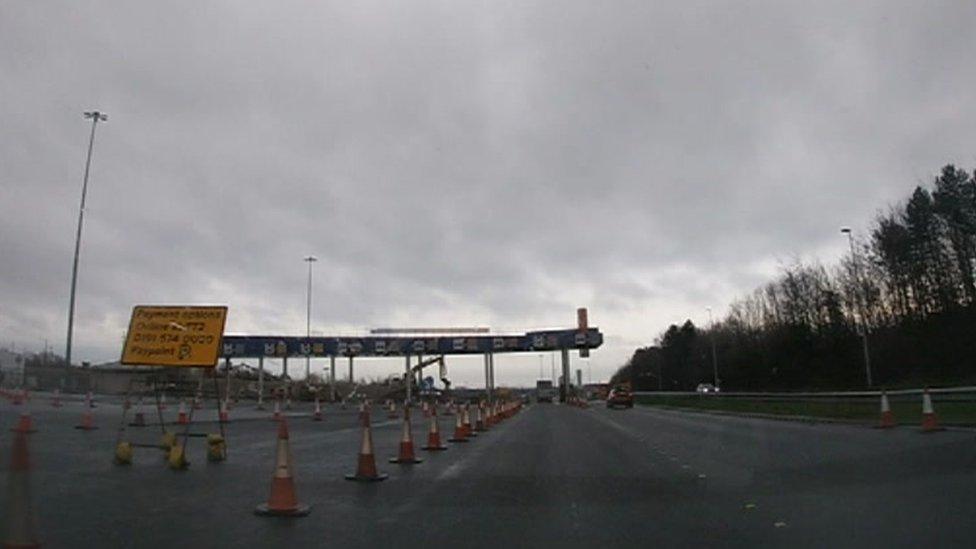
(95, 117)
(308, 314)
(711, 330)
(860, 306)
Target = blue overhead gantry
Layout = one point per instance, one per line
(582, 338)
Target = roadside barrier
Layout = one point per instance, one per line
(366, 460)
(434, 432)
(282, 502)
(406, 455)
(21, 519)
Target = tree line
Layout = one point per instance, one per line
(909, 284)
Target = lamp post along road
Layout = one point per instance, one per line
(711, 329)
(863, 325)
(308, 313)
(95, 117)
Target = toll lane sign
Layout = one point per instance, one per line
(174, 336)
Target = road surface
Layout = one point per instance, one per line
(551, 475)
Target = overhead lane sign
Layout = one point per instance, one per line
(187, 336)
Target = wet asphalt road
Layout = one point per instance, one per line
(550, 475)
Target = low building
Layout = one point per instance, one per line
(11, 368)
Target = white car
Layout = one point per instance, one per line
(707, 388)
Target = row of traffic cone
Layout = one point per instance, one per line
(283, 500)
(930, 421)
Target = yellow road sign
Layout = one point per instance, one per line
(174, 336)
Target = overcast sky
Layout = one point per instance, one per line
(457, 163)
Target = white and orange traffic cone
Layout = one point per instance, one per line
(366, 460)
(391, 410)
(479, 422)
(426, 408)
(24, 423)
(466, 421)
(887, 417)
(21, 518)
(223, 416)
(181, 417)
(282, 502)
(317, 413)
(197, 402)
(459, 434)
(406, 455)
(930, 421)
(434, 433)
(87, 421)
(56, 399)
(139, 419)
(276, 415)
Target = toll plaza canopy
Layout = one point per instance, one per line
(245, 346)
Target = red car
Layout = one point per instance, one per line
(620, 397)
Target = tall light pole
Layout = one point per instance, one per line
(711, 333)
(95, 117)
(860, 306)
(308, 313)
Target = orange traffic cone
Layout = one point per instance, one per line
(406, 455)
(21, 519)
(24, 424)
(887, 417)
(930, 421)
(276, 415)
(426, 408)
(139, 420)
(434, 433)
(181, 417)
(466, 421)
(223, 416)
(459, 433)
(282, 502)
(87, 421)
(366, 463)
(56, 399)
(317, 414)
(479, 422)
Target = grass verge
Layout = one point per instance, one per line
(951, 412)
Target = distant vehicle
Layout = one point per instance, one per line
(620, 396)
(707, 388)
(544, 391)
